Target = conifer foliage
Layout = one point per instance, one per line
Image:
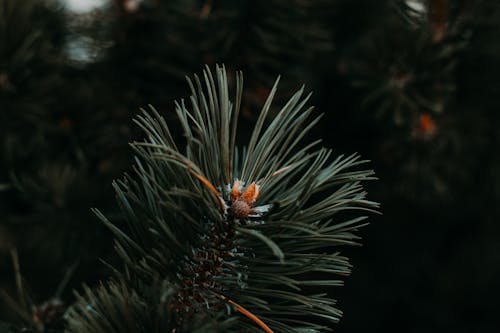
(225, 237)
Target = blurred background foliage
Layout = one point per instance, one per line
(412, 85)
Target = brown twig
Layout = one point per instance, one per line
(246, 313)
(210, 187)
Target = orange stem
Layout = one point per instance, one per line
(247, 313)
(210, 187)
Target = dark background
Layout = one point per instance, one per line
(411, 85)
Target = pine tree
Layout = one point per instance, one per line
(411, 85)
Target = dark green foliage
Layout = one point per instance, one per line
(410, 84)
(412, 96)
(31, 36)
(421, 76)
(157, 40)
(116, 308)
(278, 264)
(48, 171)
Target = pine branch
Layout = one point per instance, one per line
(252, 230)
